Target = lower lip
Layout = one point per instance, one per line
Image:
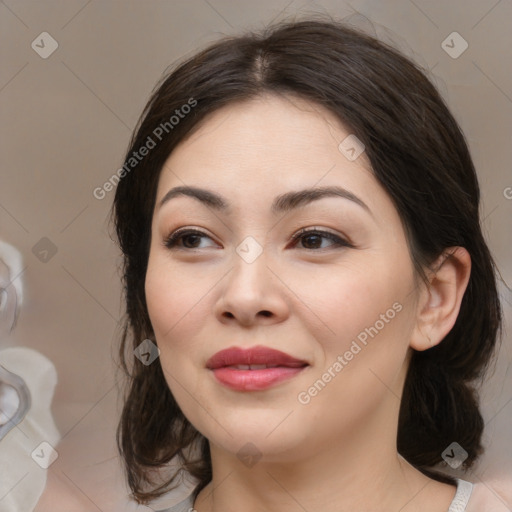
(254, 380)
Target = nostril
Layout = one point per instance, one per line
(266, 313)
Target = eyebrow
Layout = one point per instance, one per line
(282, 203)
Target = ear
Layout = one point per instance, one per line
(439, 303)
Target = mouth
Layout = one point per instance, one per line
(253, 369)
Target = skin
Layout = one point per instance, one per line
(309, 298)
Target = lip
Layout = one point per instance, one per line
(282, 367)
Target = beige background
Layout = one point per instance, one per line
(66, 122)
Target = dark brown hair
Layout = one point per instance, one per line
(418, 154)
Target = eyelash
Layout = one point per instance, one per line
(171, 241)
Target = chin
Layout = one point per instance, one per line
(263, 432)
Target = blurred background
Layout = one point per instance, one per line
(74, 77)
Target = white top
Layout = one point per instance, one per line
(458, 504)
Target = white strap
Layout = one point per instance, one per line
(461, 497)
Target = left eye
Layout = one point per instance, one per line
(313, 239)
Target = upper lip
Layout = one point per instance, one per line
(258, 355)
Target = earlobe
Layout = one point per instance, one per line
(440, 302)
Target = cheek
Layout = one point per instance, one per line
(344, 300)
(176, 300)
(372, 318)
(363, 315)
(361, 361)
(177, 308)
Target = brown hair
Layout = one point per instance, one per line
(418, 154)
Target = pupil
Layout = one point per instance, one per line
(317, 237)
(188, 237)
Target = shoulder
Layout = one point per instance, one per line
(187, 505)
(486, 499)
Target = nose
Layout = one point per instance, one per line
(252, 293)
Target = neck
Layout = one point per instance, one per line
(361, 471)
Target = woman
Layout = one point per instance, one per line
(298, 214)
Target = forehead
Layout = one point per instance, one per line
(265, 146)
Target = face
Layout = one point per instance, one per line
(325, 280)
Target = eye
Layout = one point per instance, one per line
(313, 239)
(310, 238)
(189, 238)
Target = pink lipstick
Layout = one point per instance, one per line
(253, 369)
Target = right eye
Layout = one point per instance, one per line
(184, 239)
